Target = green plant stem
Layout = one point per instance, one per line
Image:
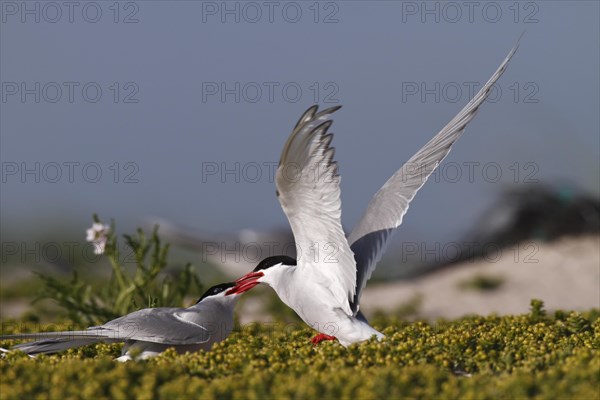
(118, 272)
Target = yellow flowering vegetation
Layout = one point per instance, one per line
(531, 355)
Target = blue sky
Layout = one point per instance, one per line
(177, 110)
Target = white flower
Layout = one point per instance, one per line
(98, 234)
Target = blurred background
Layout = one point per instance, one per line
(174, 113)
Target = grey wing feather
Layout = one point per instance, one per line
(155, 325)
(160, 325)
(388, 206)
(49, 346)
(53, 342)
(90, 333)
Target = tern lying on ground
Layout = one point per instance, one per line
(150, 331)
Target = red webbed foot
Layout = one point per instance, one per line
(321, 337)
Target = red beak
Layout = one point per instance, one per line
(246, 283)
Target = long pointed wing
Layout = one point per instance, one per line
(156, 325)
(308, 187)
(53, 342)
(49, 346)
(161, 325)
(91, 334)
(387, 207)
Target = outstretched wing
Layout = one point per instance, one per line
(387, 207)
(308, 187)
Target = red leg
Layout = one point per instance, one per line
(320, 337)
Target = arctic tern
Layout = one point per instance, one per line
(150, 331)
(325, 290)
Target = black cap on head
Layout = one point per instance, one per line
(274, 260)
(216, 290)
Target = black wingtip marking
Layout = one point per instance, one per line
(329, 110)
(311, 115)
(308, 115)
(329, 154)
(323, 127)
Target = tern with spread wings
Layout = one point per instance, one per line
(323, 286)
